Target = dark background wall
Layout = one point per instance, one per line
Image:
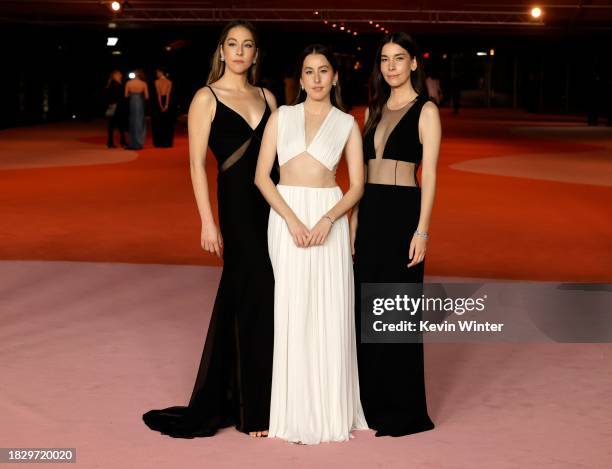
(53, 73)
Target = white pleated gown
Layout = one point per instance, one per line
(315, 382)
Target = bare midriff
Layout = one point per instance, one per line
(305, 170)
(393, 172)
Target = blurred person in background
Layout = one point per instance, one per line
(115, 108)
(137, 93)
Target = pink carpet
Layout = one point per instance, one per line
(88, 347)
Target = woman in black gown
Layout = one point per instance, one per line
(233, 383)
(163, 111)
(389, 228)
(116, 111)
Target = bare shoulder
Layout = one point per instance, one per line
(203, 99)
(203, 96)
(203, 103)
(270, 98)
(430, 110)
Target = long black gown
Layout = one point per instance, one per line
(391, 375)
(234, 379)
(162, 122)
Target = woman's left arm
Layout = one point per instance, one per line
(353, 151)
(430, 131)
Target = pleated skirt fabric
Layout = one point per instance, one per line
(315, 382)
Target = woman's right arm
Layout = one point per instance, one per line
(263, 181)
(198, 123)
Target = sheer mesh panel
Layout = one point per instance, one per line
(234, 157)
(389, 170)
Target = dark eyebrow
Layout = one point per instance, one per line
(395, 55)
(233, 38)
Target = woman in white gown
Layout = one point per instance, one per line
(315, 382)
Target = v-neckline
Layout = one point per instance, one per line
(320, 126)
(393, 129)
(253, 129)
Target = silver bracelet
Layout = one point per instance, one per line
(329, 218)
(422, 234)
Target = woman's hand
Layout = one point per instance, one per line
(211, 239)
(319, 232)
(299, 232)
(418, 246)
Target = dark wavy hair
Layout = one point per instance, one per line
(379, 89)
(336, 94)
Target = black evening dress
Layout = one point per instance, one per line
(233, 383)
(114, 95)
(391, 375)
(162, 122)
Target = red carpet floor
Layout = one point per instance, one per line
(483, 225)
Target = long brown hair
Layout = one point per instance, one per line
(217, 67)
(336, 95)
(380, 89)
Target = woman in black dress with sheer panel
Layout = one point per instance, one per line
(233, 383)
(389, 228)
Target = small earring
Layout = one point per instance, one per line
(334, 83)
(222, 59)
(254, 61)
(302, 87)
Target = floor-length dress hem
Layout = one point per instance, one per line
(312, 371)
(233, 381)
(394, 403)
